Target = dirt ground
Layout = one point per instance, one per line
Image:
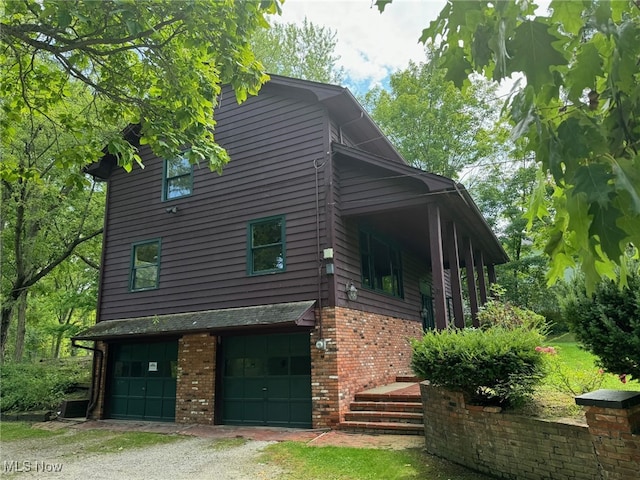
(191, 456)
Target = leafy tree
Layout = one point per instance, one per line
(159, 64)
(306, 51)
(607, 323)
(578, 112)
(503, 195)
(47, 212)
(435, 126)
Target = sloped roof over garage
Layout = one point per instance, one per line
(272, 315)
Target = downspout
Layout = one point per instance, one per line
(318, 250)
(93, 392)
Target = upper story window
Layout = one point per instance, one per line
(266, 246)
(145, 265)
(178, 178)
(381, 265)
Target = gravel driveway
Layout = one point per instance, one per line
(185, 458)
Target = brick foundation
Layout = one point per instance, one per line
(195, 386)
(364, 350)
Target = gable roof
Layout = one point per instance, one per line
(347, 112)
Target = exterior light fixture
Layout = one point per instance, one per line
(173, 209)
(352, 291)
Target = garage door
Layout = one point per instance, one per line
(143, 381)
(267, 380)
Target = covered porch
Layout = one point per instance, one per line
(432, 217)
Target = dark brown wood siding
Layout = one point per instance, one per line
(348, 266)
(273, 142)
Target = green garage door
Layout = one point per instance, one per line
(267, 380)
(143, 381)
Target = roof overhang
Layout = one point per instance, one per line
(277, 315)
(403, 215)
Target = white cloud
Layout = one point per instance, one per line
(371, 45)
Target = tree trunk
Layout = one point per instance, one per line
(6, 313)
(22, 326)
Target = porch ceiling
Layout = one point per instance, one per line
(403, 215)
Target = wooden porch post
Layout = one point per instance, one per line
(471, 281)
(454, 269)
(482, 284)
(491, 272)
(437, 267)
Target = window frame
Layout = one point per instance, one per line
(394, 251)
(133, 269)
(251, 248)
(166, 179)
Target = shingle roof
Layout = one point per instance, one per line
(279, 314)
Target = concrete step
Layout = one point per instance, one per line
(414, 407)
(389, 428)
(384, 417)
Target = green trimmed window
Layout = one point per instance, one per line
(178, 178)
(145, 265)
(381, 265)
(266, 246)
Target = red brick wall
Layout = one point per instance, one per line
(364, 350)
(519, 447)
(616, 439)
(195, 388)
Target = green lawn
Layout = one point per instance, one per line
(571, 372)
(303, 462)
(581, 364)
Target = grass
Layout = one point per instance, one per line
(13, 431)
(572, 372)
(94, 441)
(303, 462)
(579, 364)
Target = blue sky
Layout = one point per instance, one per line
(371, 45)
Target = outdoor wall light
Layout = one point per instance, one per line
(352, 291)
(171, 210)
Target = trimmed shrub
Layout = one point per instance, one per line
(497, 366)
(496, 313)
(607, 323)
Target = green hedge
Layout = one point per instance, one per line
(41, 385)
(497, 366)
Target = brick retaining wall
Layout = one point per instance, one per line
(518, 447)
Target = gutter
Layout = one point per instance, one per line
(93, 392)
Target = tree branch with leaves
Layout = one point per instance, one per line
(577, 107)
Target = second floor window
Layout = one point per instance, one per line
(381, 265)
(178, 178)
(266, 246)
(145, 265)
